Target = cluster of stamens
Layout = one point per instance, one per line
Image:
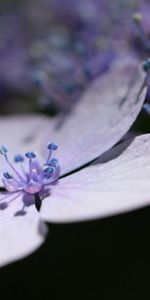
(32, 177)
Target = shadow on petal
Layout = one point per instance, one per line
(28, 199)
(3, 205)
(114, 152)
(42, 228)
(20, 213)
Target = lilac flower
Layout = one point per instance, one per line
(99, 121)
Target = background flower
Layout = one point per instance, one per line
(55, 53)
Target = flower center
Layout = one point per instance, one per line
(30, 176)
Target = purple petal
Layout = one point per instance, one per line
(102, 116)
(23, 133)
(21, 231)
(119, 185)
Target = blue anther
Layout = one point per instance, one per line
(30, 155)
(146, 65)
(3, 150)
(18, 158)
(52, 146)
(48, 172)
(53, 162)
(7, 175)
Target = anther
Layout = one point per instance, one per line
(30, 155)
(48, 172)
(18, 158)
(53, 162)
(52, 146)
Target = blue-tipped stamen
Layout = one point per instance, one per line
(12, 167)
(30, 155)
(18, 158)
(52, 146)
(53, 162)
(3, 150)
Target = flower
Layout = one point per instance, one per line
(98, 122)
(33, 179)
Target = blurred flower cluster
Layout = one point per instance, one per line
(50, 52)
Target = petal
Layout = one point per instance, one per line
(102, 117)
(21, 233)
(116, 186)
(23, 133)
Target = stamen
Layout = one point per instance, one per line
(53, 162)
(51, 147)
(12, 167)
(18, 158)
(30, 155)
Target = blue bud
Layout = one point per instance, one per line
(7, 175)
(30, 155)
(52, 146)
(3, 150)
(18, 158)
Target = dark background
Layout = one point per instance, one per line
(104, 259)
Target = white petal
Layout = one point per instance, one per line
(20, 234)
(102, 116)
(24, 132)
(120, 185)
